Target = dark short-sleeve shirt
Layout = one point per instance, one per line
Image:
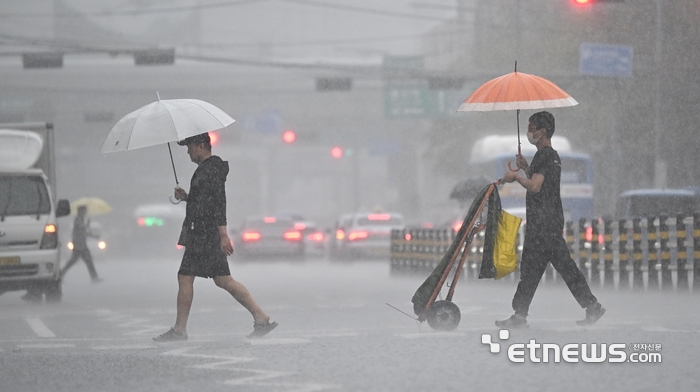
(544, 212)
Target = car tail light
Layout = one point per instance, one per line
(50, 238)
(339, 234)
(381, 217)
(292, 235)
(300, 226)
(589, 236)
(358, 235)
(317, 236)
(249, 236)
(269, 219)
(407, 236)
(456, 226)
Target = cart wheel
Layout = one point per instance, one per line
(444, 316)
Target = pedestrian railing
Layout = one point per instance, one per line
(653, 253)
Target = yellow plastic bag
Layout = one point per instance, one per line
(504, 253)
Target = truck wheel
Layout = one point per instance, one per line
(53, 292)
(444, 316)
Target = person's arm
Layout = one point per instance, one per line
(532, 184)
(226, 245)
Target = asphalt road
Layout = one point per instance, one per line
(336, 333)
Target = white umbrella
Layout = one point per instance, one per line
(165, 121)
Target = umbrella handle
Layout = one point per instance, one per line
(174, 200)
(511, 168)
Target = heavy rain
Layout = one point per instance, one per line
(354, 157)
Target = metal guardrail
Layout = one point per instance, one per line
(652, 254)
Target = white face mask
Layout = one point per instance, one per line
(531, 139)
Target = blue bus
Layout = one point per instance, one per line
(490, 157)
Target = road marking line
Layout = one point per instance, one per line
(272, 342)
(334, 335)
(127, 347)
(300, 387)
(421, 335)
(261, 375)
(225, 363)
(40, 328)
(45, 345)
(148, 329)
(132, 322)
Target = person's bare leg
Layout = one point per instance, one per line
(242, 295)
(185, 293)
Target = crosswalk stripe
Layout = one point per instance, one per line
(40, 328)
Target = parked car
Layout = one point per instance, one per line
(365, 235)
(269, 236)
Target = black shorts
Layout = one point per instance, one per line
(204, 264)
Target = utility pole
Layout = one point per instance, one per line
(659, 164)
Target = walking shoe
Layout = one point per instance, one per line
(262, 329)
(515, 321)
(170, 336)
(593, 313)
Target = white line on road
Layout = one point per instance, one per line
(148, 329)
(40, 328)
(45, 345)
(274, 342)
(229, 364)
(422, 335)
(127, 347)
(296, 387)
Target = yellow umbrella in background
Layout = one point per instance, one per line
(95, 206)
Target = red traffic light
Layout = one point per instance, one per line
(214, 138)
(336, 152)
(289, 136)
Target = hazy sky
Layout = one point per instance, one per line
(251, 28)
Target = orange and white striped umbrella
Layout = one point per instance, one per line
(516, 91)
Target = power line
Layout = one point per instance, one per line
(140, 12)
(370, 11)
(325, 42)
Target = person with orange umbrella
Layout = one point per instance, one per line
(544, 242)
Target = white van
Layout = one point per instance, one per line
(29, 245)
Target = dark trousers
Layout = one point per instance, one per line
(538, 251)
(86, 256)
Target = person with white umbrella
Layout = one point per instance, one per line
(206, 240)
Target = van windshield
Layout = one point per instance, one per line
(655, 205)
(21, 195)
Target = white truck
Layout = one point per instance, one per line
(29, 244)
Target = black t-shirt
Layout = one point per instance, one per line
(544, 212)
